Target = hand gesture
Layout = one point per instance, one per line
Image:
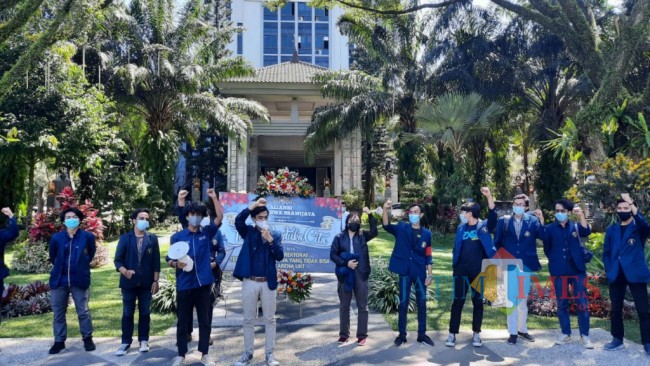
(388, 205)
(7, 211)
(212, 194)
(266, 234)
(486, 192)
(259, 203)
(366, 210)
(624, 196)
(129, 273)
(180, 265)
(353, 264)
(540, 215)
(428, 281)
(182, 194)
(578, 211)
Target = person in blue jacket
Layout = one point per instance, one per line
(473, 244)
(6, 236)
(193, 288)
(71, 251)
(626, 266)
(137, 258)
(411, 260)
(518, 235)
(256, 268)
(349, 251)
(217, 255)
(566, 264)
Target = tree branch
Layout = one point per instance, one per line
(18, 20)
(398, 12)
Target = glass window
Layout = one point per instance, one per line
(270, 37)
(287, 38)
(304, 12)
(306, 59)
(240, 40)
(321, 15)
(304, 39)
(270, 15)
(286, 58)
(270, 60)
(288, 12)
(323, 61)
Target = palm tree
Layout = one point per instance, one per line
(459, 123)
(165, 72)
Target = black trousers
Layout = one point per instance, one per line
(186, 300)
(640, 295)
(462, 289)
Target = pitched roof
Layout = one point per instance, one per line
(286, 72)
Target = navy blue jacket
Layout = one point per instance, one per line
(345, 274)
(253, 239)
(218, 249)
(627, 253)
(82, 252)
(7, 235)
(523, 247)
(200, 243)
(341, 243)
(126, 255)
(410, 254)
(483, 233)
(561, 245)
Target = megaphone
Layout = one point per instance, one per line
(178, 251)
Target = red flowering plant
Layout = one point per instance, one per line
(296, 285)
(284, 183)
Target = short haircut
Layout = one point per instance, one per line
(567, 204)
(415, 205)
(258, 210)
(522, 197)
(196, 208)
(76, 211)
(137, 211)
(472, 207)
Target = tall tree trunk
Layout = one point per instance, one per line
(30, 187)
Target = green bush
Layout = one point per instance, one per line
(383, 295)
(353, 200)
(165, 300)
(32, 257)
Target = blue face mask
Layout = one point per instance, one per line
(518, 210)
(142, 225)
(462, 217)
(561, 216)
(194, 220)
(71, 223)
(414, 218)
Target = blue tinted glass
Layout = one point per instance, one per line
(306, 59)
(323, 61)
(288, 12)
(322, 29)
(321, 15)
(322, 45)
(270, 37)
(270, 60)
(270, 15)
(288, 43)
(286, 58)
(304, 12)
(240, 41)
(305, 38)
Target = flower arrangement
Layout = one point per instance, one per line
(284, 183)
(296, 286)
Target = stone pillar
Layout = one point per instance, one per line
(237, 166)
(351, 162)
(253, 166)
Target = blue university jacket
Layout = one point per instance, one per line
(410, 254)
(562, 245)
(82, 252)
(7, 235)
(252, 239)
(200, 243)
(483, 233)
(523, 247)
(627, 253)
(126, 255)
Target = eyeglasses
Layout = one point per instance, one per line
(560, 211)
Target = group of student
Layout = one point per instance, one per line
(478, 240)
(137, 259)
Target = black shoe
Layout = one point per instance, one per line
(526, 337)
(400, 341)
(89, 345)
(425, 339)
(57, 347)
(512, 340)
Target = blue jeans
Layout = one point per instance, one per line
(59, 299)
(405, 283)
(129, 296)
(577, 282)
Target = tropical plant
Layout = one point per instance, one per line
(164, 301)
(26, 300)
(384, 295)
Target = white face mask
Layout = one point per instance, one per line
(262, 224)
(343, 209)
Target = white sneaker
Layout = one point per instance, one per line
(271, 360)
(451, 340)
(586, 342)
(564, 339)
(124, 348)
(178, 361)
(205, 360)
(476, 340)
(244, 360)
(144, 346)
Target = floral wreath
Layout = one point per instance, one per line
(284, 183)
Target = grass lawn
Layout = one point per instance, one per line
(438, 310)
(105, 303)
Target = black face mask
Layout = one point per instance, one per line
(354, 226)
(624, 216)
